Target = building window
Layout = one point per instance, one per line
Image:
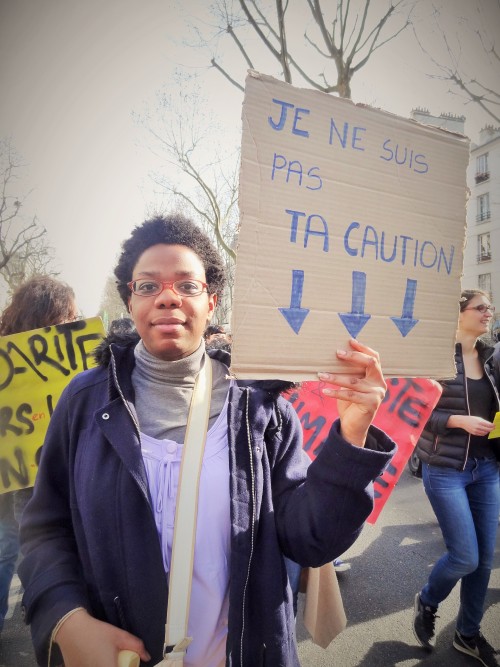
(484, 282)
(483, 247)
(482, 171)
(483, 207)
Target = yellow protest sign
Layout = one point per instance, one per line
(35, 367)
(496, 431)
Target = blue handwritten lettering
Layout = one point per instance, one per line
(309, 231)
(281, 123)
(298, 116)
(350, 251)
(400, 249)
(314, 176)
(280, 163)
(402, 155)
(355, 136)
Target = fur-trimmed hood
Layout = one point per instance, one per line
(102, 356)
(102, 353)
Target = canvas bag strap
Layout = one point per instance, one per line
(181, 562)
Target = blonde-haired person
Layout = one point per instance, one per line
(461, 478)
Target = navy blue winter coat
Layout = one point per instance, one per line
(89, 537)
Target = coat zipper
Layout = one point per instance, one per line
(490, 379)
(252, 474)
(468, 412)
(495, 392)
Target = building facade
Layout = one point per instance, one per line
(482, 247)
(482, 251)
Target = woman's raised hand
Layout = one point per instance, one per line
(358, 396)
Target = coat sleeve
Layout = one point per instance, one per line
(50, 570)
(495, 365)
(437, 422)
(450, 402)
(319, 517)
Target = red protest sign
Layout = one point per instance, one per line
(403, 414)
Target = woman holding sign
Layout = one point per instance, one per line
(163, 479)
(461, 478)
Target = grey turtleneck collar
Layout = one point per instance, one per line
(163, 391)
(181, 372)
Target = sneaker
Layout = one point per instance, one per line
(340, 565)
(477, 647)
(424, 620)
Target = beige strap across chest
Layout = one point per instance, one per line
(182, 560)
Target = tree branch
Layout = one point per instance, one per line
(240, 46)
(282, 39)
(226, 75)
(485, 98)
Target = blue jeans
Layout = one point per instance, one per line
(466, 505)
(9, 549)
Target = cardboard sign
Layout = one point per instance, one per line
(407, 406)
(352, 225)
(35, 367)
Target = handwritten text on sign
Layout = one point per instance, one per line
(352, 225)
(407, 406)
(35, 366)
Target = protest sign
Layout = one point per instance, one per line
(352, 225)
(407, 406)
(35, 366)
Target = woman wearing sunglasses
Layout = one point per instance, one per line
(461, 478)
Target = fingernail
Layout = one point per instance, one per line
(324, 376)
(341, 353)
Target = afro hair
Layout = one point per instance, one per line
(172, 229)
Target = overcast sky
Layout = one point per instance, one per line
(72, 72)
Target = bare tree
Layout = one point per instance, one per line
(23, 243)
(193, 171)
(194, 175)
(480, 41)
(111, 306)
(339, 37)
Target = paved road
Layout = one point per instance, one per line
(390, 562)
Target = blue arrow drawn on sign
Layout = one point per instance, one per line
(295, 315)
(356, 319)
(405, 323)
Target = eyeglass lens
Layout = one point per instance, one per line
(154, 287)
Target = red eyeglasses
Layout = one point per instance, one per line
(149, 287)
